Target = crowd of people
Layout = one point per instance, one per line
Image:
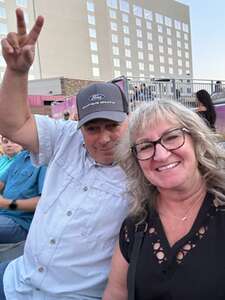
(147, 186)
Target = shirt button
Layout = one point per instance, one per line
(52, 241)
(40, 269)
(69, 213)
(85, 189)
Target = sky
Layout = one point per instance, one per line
(207, 19)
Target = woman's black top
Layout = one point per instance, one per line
(192, 269)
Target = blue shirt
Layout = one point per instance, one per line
(5, 162)
(22, 181)
(76, 223)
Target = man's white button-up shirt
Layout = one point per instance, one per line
(76, 223)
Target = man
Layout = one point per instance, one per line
(21, 186)
(10, 150)
(77, 220)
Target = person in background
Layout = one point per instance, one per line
(66, 116)
(173, 237)
(21, 186)
(10, 151)
(76, 223)
(205, 108)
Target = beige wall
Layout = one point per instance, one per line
(64, 44)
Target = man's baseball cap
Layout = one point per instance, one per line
(101, 101)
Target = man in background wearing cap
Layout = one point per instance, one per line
(77, 220)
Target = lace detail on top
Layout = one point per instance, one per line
(187, 248)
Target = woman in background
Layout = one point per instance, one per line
(206, 108)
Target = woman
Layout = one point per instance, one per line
(173, 243)
(206, 108)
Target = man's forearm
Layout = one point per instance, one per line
(14, 109)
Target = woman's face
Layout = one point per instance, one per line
(175, 169)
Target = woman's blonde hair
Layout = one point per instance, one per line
(209, 153)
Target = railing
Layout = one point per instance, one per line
(182, 90)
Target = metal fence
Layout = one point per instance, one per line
(182, 90)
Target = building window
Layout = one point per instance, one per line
(128, 64)
(2, 12)
(178, 35)
(161, 59)
(115, 50)
(95, 72)
(22, 3)
(187, 64)
(151, 68)
(170, 70)
(162, 69)
(3, 29)
(126, 41)
(140, 44)
(2, 62)
(169, 41)
(148, 25)
(168, 31)
(180, 71)
(186, 46)
(177, 25)
(94, 46)
(160, 39)
(125, 18)
(115, 38)
(91, 20)
(112, 3)
(127, 52)
(185, 27)
(161, 49)
(117, 73)
(185, 36)
(147, 14)
(113, 26)
(137, 11)
(140, 55)
(150, 46)
(150, 57)
(187, 55)
(179, 44)
(124, 6)
(160, 28)
(170, 60)
(179, 54)
(129, 74)
(92, 32)
(138, 22)
(139, 33)
(116, 62)
(168, 21)
(170, 51)
(159, 18)
(149, 36)
(179, 62)
(94, 59)
(141, 66)
(112, 14)
(90, 6)
(125, 29)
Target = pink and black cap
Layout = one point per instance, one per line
(101, 101)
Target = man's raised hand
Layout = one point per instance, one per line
(18, 48)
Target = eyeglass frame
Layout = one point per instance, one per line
(134, 151)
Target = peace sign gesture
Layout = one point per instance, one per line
(18, 48)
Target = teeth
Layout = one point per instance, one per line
(170, 166)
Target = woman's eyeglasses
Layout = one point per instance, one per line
(171, 140)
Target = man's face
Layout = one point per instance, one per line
(101, 137)
(10, 148)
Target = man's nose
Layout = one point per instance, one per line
(105, 137)
(161, 153)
